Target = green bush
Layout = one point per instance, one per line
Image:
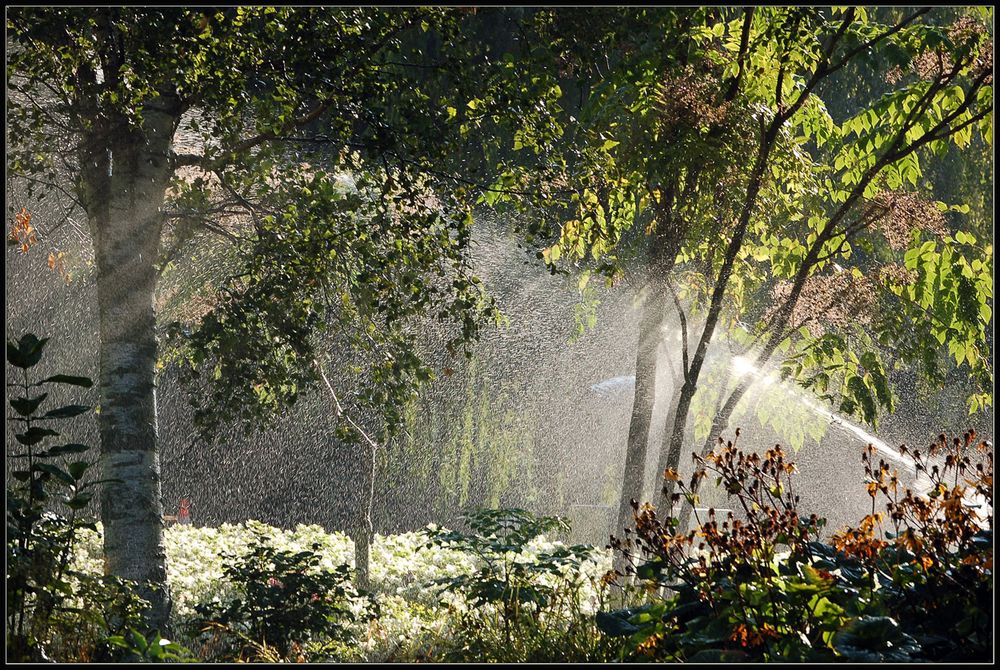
(288, 609)
(519, 607)
(764, 588)
(153, 649)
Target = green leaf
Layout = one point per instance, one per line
(68, 379)
(77, 469)
(79, 501)
(65, 412)
(873, 639)
(34, 435)
(55, 471)
(617, 623)
(26, 352)
(27, 406)
(64, 449)
(138, 640)
(117, 640)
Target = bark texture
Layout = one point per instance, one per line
(125, 178)
(365, 529)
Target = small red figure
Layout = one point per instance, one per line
(184, 513)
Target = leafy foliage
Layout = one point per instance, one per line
(518, 610)
(286, 606)
(153, 649)
(416, 620)
(704, 135)
(331, 149)
(54, 611)
(935, 565)
(487, 452)
(322, 143)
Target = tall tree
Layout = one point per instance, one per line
(707, 127)
(628, 150)
(307, 137)
(875, 154)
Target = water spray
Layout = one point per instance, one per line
(742, 366)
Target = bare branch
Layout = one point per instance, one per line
(184, 160)
(303, 120)
(684, 329)
(47, 184)
(247, 205)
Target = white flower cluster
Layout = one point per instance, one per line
(403, 570)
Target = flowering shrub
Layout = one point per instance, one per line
(935, 565)
(763, 587)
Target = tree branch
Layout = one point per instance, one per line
(878, 38)
(684, 330)
(734, 88)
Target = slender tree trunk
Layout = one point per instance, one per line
(662, 462)
(123, 197)
(719, 424)
(692, 374)
(674, 434)
(651, 485)
(364, 534)
(362, 558)
(722, 415)
(666, 245)
(361, 530)
(663, 255)
(642, 405)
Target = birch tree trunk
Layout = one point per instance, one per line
(364, 533)
(124, 186)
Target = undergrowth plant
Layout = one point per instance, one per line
(519, 606)
(932, 555)
(288, 608)
(56, 612)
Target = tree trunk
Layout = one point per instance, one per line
(662, 463)
(360, 529)
(719, 424)
(693, 372)
(662, 256)
(362, 559)
(364, 534)
(650, 336)
(123, 199)
(674, 436)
